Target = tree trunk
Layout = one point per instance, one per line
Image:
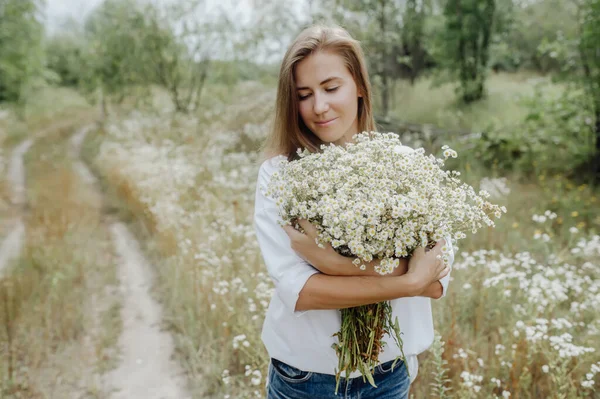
(596, 160)
(103, 106)
(385, 94)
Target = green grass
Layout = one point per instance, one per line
(439, 106)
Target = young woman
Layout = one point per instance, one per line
(324, 96)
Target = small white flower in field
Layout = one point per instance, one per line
(499, 349)
(225, 377)
(545, 368)
(471, 380)
(237, 339)
(461, 353)
(520, 324)
(587, 384)
(480, 362)
(573, 230)
(496, 381)
(213, 306)
(589, 376)
(256, 378)
(505, 394)
(467, 286)
(545, 237)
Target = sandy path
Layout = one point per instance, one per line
(11, 247)
(146, 370)
(16, 172)
(75, 150)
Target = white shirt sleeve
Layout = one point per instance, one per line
(446, 280)
(288, 271)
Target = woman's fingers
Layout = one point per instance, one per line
(444, 272)
(308, 227)
(291, 231)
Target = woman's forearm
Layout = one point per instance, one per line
(334, 292)
(343, 266)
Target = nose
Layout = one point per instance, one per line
(321, 104)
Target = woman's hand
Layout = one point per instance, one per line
(326, 259)
(426, 267)
(307, 248)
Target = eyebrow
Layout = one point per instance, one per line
(322, 83)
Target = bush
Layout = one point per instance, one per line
(555, 136)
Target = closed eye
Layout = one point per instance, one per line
(329, 90)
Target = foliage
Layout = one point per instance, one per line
(21, 55)
(555, 136)
(66, 56)
(114, 47)
(469, 25)
(540, 35)
(589, 47)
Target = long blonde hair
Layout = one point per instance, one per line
(289, 131)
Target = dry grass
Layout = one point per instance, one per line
(187, 185)
(214, 287)
(59, 315)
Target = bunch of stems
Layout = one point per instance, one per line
(360, 339)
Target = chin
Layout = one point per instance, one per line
(329, 137)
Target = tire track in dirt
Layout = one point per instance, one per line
(12, 244)
(147, 369)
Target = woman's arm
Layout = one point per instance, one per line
(329, 262)
(333, 292)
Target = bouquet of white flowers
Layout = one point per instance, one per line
(376, 199)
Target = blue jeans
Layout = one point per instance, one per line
(287, 382)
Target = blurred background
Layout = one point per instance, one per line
(129, 150)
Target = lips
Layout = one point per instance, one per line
(325, 123)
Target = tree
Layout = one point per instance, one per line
(114, 49)
(469, 25)
(21, 55)
(413, 34)
(66, 56)
(180, 62)
(589, 48)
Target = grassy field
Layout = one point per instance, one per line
(519, 320)
(426, 102)
(522, 298)
(57, 310)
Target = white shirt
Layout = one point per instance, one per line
(304, 339)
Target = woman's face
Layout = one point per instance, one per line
(327, 97)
